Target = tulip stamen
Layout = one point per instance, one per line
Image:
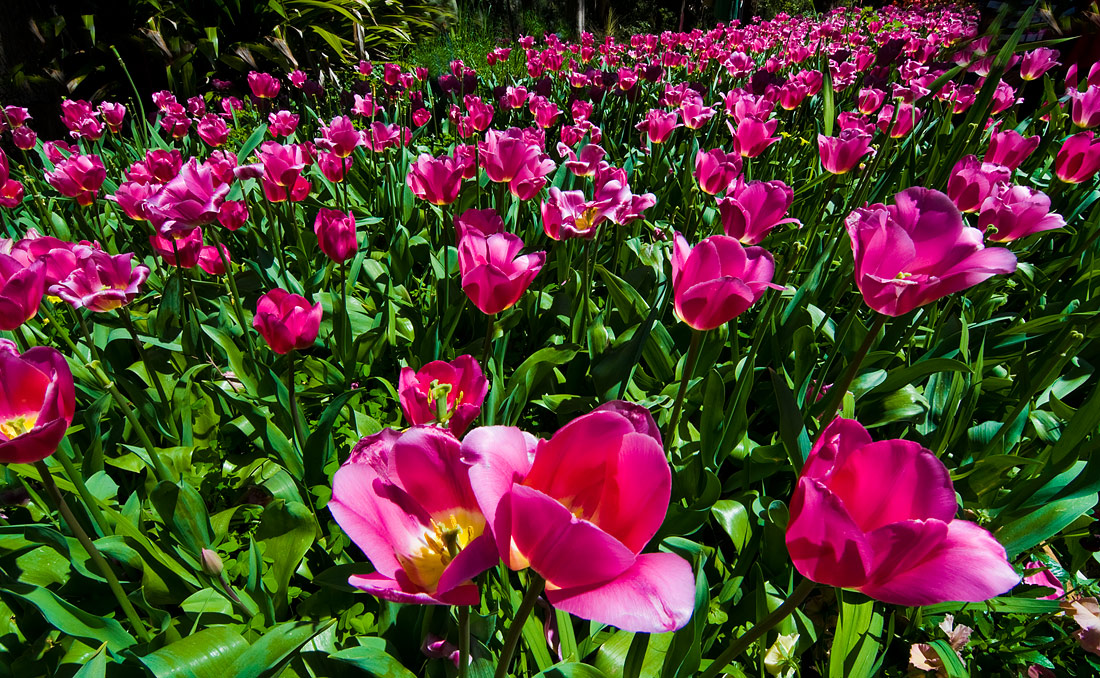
(17, 426)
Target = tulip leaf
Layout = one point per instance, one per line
(95, 666)
(857, 644)
(267, 657)
(373, 660)
(250, 145)
(573, 670)
(1043, 523)
(208, 653)
(951, 663)
(899, 378)
(287, 529)
(183, 511)
(68, 618)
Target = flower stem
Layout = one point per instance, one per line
(77, 479)
(488, 346)
(463, 639)
(836, 393)
(299, 434)
(93, 552)
(756, 632)
(685, 377)
(534, 589)
(237, 308)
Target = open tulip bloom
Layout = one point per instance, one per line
(37, 401)
(879, 517)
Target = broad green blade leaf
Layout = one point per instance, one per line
(208, 653)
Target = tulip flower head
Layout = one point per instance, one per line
(1010, 148)
(494, 274)
(190, 200)
(841, 154)
(1078, 159)
(37, 402)
(717, 280)
(101, 282)
(751, 210)
(21, 290)
(335, 231)
(579, 509)
(918, 250)
(79, 177)
(753, 135)
(1015, 212)
(447, 393)
(263, 85)
(287, 321)
(437, 180)
(658, 125)
(406, 501)
(972, 181)
(879, 517)
(513, 156)
(178, 249)
(715, 170)
(1037, 62)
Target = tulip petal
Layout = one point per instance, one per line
(478, 556)
(839, 439)
(566, 551)
(366, 517)
(824, 542)
(970, 565)
(656, 594)
(635, 498)
(499, 457)
(428, 464)
(393, 590)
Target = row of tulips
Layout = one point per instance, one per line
(708, 276)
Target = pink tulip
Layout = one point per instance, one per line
(364, 106)
(340, 136)
(1037, 62)
(907, 119)
(282, 171)
(335, 231)
(546, 114)
(196, 106)
(179, 249)
(514, 97)
(37, 402)
(579, 509)
(752, 210)
(287, 321)
(791, 95)
(297, 78)
(282, 123)
(81, 119)
(870, 100)
(658, 125)
(175, 121)
(380, 136)
(406, 501)
(695, 113)
(918, 250)
(841, 154)
(1010, 148)
(752, 136)
(715, 170)
(717, 280)
(879, 517)
(481, 113)
(78, 176)
(1015, 212)
(494, 275)
(159, 167)
(11, 194)
(57, 256)
(1086, 107)
(24, 138)
(447, 393)
(190, 200)
(585, 163)
(1078, 159)
(212, 130)
(233, 214)
(421, 117)
(437, 180)
(972, 181)
(485, 222)
(101, 282)
(333, 167)
(16, 116)
(1044, 577)
(513, 156)
(21, 290)
(263, 85)
(113, 115)
(581, 110)
(210, 259)
(131, 198)
(569, 214)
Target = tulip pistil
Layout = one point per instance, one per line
(17, 426)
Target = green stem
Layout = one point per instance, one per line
(237, 308)
(93, 552)
(299, 434)
(685, 377)
(836, 394)
(77, 479)
(488, 346)
(463, 639)
(534, 589)
(128, 321)
(757, 631)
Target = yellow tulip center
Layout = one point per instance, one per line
(438, 545)
(585, 220)
(13, 428)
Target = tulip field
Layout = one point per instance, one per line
(768, 349)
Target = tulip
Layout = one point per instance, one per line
(752, 136)
(568, 214)
(56, 151)
(717, 280)
(658, 125)
(212, 130)
(1078, 159)
(37, 402)
(78, 176)
(159, 167)
(972, 181)
(24, 138)
(879, 517)
(841, 154)
(791, 95)
(233, 214)
(494, 275)
(918, 250)
(21, 290)
(11, 194)
(1015, 212)
(211, 261)
(287, 321)
(406, 501)
(190, 200)
(1037, 62)
(179, 249)
(335, 231)
(380, 136)
(715, 170)
(16, 116)
(514, 97)
(437, 180)
(448, 393)
(514, 156)
(579, 509)
(694, 113)
(175, 122)
(1085, 112)
(80, 118)
(480, 113)
(485, 222)
(1010, 148)
(282, 171)
(57, 256)
(752, 210)
(131, 198)
(297, 78)
(282, 123)
(263, 85)
(113, 115)
(101, 282)
(585, 163)
(340, 136)
(870, 100)
(421, 117)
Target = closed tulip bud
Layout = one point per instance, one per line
(717, 280)
(1015, 212)
(494, 274)
(180, 249)
(113, 115)
(24, 138)
(233, 214)
(211, 261)
(211, 563)
(287, 321)
(335, 231)
(37, 401)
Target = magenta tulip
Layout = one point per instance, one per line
(907, 118)
(233, 214)
(340, 136)
(494, 274)
(212, 130)
(1037, 62)
(437, 180)
(715, 170)
(1085, 112)
(190, 200)
(841, 154)
(1010, 148)
(514, 156)
(24, 138)
(579, 509)
(113, 115)
(21, 290)
(918, 250)
(263, 85)
(658, 125)
(101, 282)
(178, 249)
(585, 163)
(211, 261)
(37, 402)
(972, 181)
(753, 135)
(1015, 212)
(406, 501)
(282, 123)
(879, 517)
(484, 222)
(752, 210)
(569, 214)
(333, 167)
(1078, 159)
(78, 176)
(335, 231)
(870, 100)
(717, 280)
(287, 321)
(57, 256)
(447, 393)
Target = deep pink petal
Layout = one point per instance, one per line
(824, 543)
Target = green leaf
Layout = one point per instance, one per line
(856, 645)
(250, 145)
(70, 619)
(287, 529)
(951, 662)
(208, 653)
(1042, 524)
(374, 661)
(269, 655)
(898, 378)
(573, 670)
(184, 512)
(95, 666)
